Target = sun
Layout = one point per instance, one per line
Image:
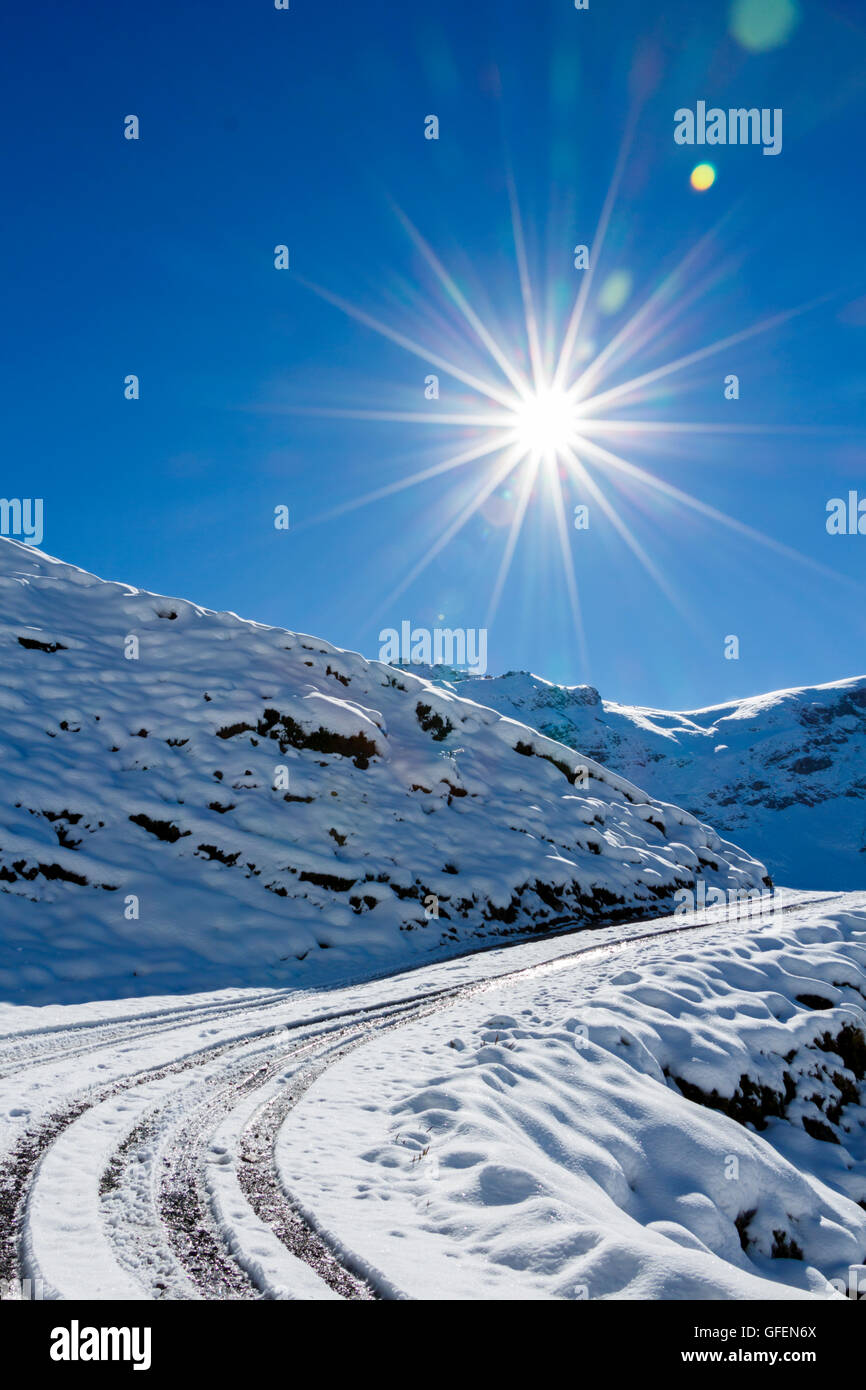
(545, 422)
(540, 419)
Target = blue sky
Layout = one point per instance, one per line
(306, 127)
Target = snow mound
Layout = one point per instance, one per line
(692, 1131)
(196, 801)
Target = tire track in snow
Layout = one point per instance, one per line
(44, 1177)
(256, 1142)
(184, 1224)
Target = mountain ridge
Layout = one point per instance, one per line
(784, 772)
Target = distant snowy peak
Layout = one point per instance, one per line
(193, 800)
(785, 772)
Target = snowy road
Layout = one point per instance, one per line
(139, 1139)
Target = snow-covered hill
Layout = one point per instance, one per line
(192, 800)
(784, 773)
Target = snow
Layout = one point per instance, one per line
(198, 802)
(532, 1143)
(219, 847)
(66, 1246)
(782, 773)
(253, 1243)
(560, 1159)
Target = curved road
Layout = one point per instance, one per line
(141, 1161)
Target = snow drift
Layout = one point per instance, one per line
(684, 1121)
(191, 800)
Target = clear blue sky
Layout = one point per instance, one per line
(261, 127)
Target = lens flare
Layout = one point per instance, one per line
(703, 176)
(760, 25)
(615, 291)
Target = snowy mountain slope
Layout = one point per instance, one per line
(191, 800)
(783, 773)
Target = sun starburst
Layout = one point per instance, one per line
(549, 421)
(545, 422)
